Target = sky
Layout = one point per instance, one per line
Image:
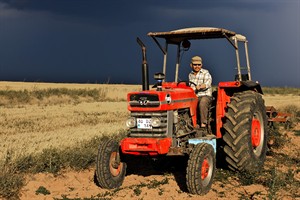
(94, 41)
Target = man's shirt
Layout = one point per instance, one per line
(203, 76)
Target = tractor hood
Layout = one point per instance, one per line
(172, 96)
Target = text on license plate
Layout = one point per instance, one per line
(144, 123)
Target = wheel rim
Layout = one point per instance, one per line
(206, 170)
(115, 166)
(257, 134)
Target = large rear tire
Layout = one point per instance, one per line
(245, 132)
(110, 171)
(201, 169)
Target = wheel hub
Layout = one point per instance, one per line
(115, 166)
(256, 133)
(204, 169)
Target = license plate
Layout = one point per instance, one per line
(144, 123)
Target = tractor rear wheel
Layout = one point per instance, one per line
(110, 171)
(201, 169)
(245, 132)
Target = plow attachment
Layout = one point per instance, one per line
(275, 116)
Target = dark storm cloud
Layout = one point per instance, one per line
(51, 5)
(116, 13)
(80, 41)
(109, 10)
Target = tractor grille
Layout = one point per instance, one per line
(144, 100)
(160, 131)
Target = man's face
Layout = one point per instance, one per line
(196, 67)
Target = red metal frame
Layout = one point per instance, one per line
(274, 116)
(146, 146)
(182, 97)
(222, 101)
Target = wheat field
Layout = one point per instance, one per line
(60, 122)
(30, 128)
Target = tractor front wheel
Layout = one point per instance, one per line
(201, 169)
(110, 171)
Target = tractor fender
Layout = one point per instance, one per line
(252, 85)
(209, 140)
(237, 86)
(225, 92)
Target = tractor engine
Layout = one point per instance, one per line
(183, 123)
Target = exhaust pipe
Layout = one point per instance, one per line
(145, 73)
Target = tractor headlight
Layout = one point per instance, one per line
(131, 122)
(155, 122)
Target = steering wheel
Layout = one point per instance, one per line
(187, 83)
(192, 83)
(197, 90)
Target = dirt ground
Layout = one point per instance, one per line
(146, 183)
(75, 185)
(143, 182)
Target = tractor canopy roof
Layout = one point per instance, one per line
(181, 38)
(177, 36)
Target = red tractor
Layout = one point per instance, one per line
(163, 121)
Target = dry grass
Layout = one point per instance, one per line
(114, 92)
(63, 117)
(281, 91)
(282, 97)
(53, 120)
(59, 122)
(281, 101)
(28, 128)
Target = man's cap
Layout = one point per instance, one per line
(196, 60)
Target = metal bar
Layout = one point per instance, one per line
(278, 120)
(145, 71)
(247, 59)
(177, 62)
(238, 59)
(284, 114)
(158, 44)
(165, 52)
(230, 41)
(165, 61)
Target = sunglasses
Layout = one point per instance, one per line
(197, 64)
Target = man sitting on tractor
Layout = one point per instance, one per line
(201, 82)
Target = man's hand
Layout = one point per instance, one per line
(201, 86)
